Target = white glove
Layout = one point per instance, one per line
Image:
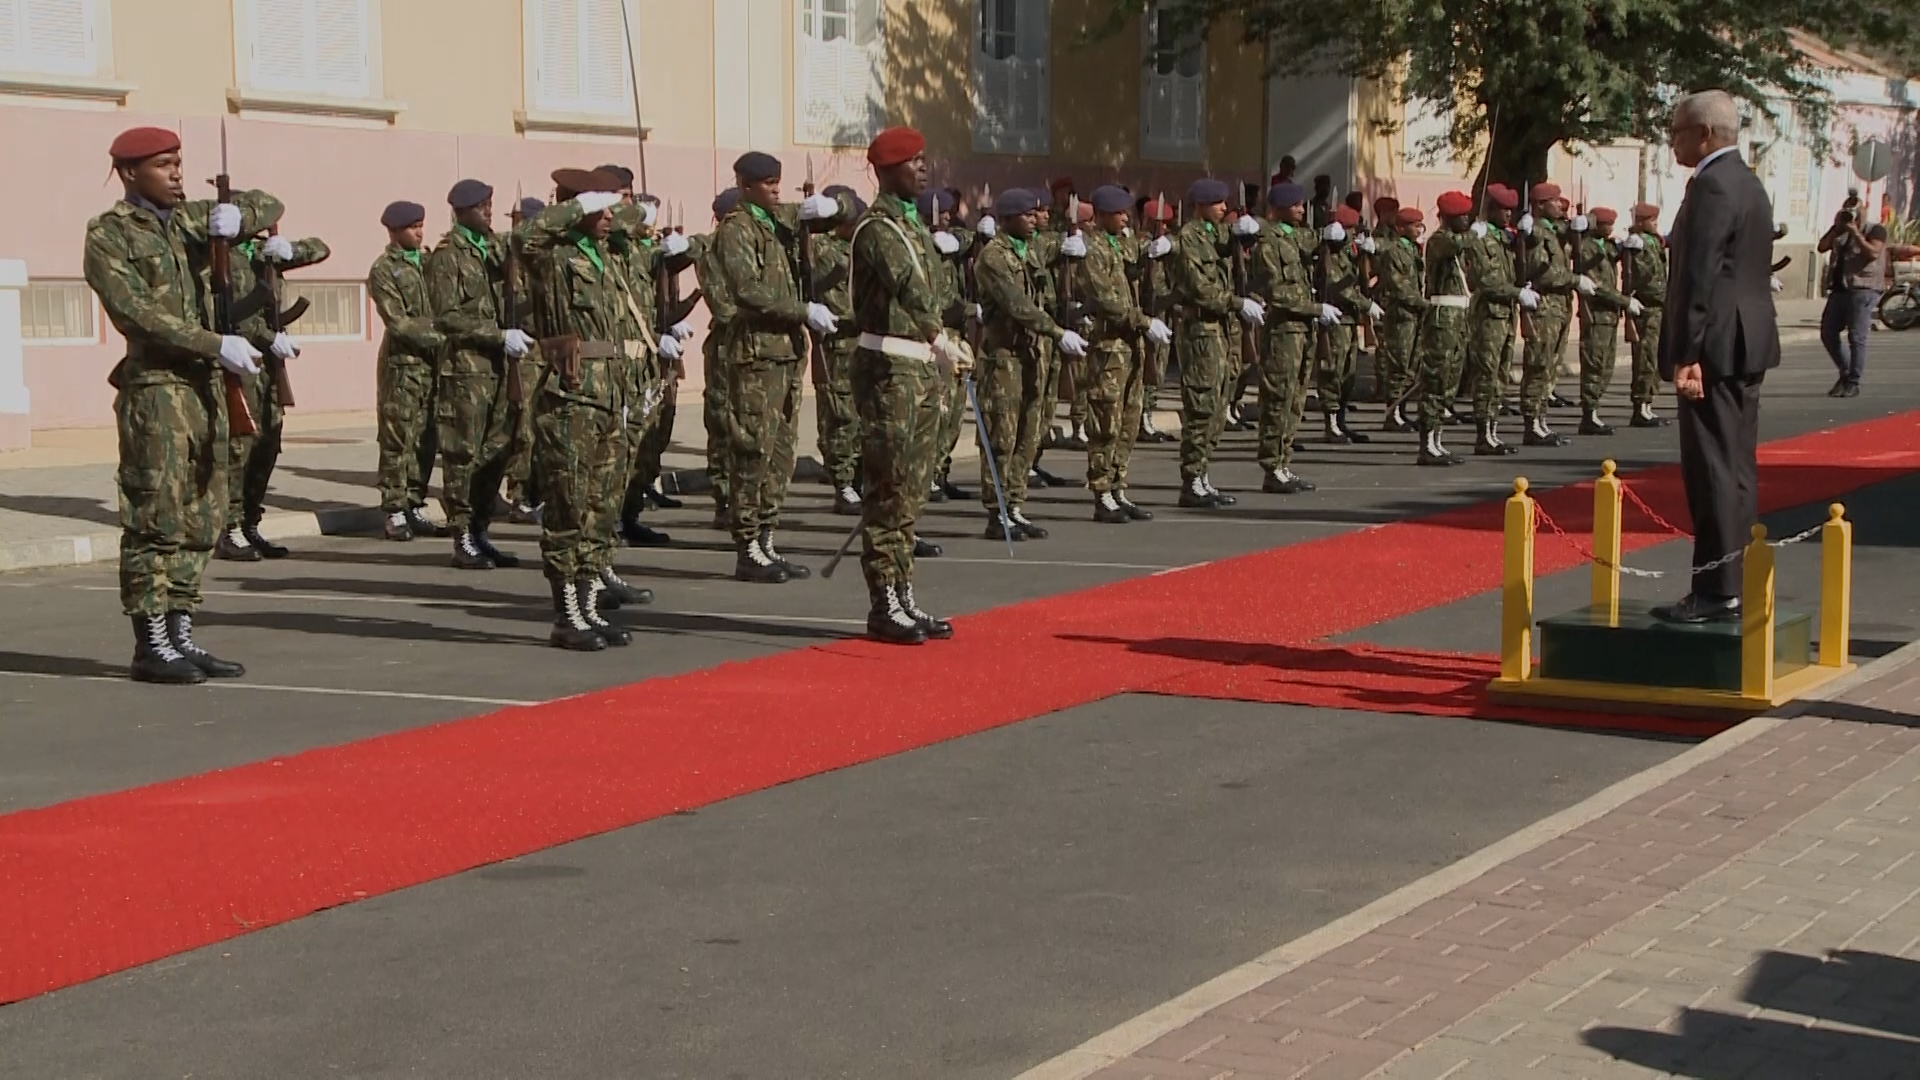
(1074, 247)
(1160, 246)
(1633, 242)
(592, 202)
(224, 221)
(945, 356)
(1375, 312)
(278, 249)
(669, 347)
(1334, 232)
(1073, 344)
(1776, 284)
(1526, 223)
(1585, 285)
(1329, 314)
(1366, 244)
(648, 214)
(1528, 298)
(986, 227)
(1579, 223)
(237, 356)
(818, 208)
(1634, 307)
(1253, 311)
(518, 342)
(948, 243)
(976, 312)
(1479, 229)
(673, 244)
(1159, 332)
(1246, 225)
(821, 319)
(682, 330)
(284, 347)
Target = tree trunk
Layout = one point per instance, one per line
(1518, 157)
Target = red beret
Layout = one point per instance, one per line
(1454, 203)
(1410, 215)
(1605, 215)
(1159, 209)
(1545, 190)
(1347, 216)
(1646, 210)
(1064, 183)
(137, 144)
(895, 146)
(1503, 196)
(1384, 205)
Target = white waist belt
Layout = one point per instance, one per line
(906, 348)
(1449, 301)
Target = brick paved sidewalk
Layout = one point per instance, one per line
(1756, 915)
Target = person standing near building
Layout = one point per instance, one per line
(1548, 273)
(837, 425)
(1446, 325)
(1856, 276)
(1400, 289)
(1112, 367)
(939, 213)
(1597, 277)
(1200, 280)
(713, 394)
(1644, 280)
(1492, 282)
(169, 401)
(1280, 276)
(523, 488)
(1344, 288)
(409, 350)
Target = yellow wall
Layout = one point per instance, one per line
(151, 41)
(1236, 97)
(457, 66)
(930, 72)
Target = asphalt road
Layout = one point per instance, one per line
(964, 910)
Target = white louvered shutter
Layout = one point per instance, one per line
(840, 100)
(310, 47)
(50, 36)
(341, 64)
(1031, 75)
(1174, 94)
(582, 61)
(1011, 93)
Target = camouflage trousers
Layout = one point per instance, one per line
(173, 490)
(1283, 391)
(1599, 340)
(1489, 360)
(1396, 368)
(649, 428)
(1034, 439)
(1646, 358)
(523, 486)
(763, 397)
(1442, 353)
(580, 454)
(901, 409)
(953, 400)
(714, 412)
(408, 439)
(1078, 378)
(1011, 389)
(251, 458)
(1202, 348)
(839, 424)
(1546, 343)
(1113, 413)
(1335, 370)
(479, 431)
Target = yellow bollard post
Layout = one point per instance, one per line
(1836, 588)
(1516, 588)
(1756, 619)
(1606, 543)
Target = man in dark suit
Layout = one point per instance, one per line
(1717, 343)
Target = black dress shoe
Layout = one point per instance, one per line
(1694, 610)
(1555, 401)
(1136, 513)
(663, 500)
(1047, 479)
(638, 535)
(1839, 388)
(953, 491)
(996, 532)
(233, 547)
(924, 550)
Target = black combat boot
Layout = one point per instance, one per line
(721, 522)
(953, 491)
(934, 495)
(846, 501)
(1134, 513)
(755, 565)
(1195, 496)
(924, 550)
(1645, 417)
(233, 546)
(661, 499)
(1219, 496)
(1284, 482)
(1336, 431)
(1539, 434)
(1107, 511)
(267, 548)
(571, 630)
(593, 593)
(500, 558)
(1354, 435)
(397, 528)
(935, 629)
(180, 629)
(468, 555)
(890, 622)
(422, 525)
(1019, 518)
(1486, 441)
(615, 592)
(1432, 453)
(1591, 424)
(638, 535)
(999, 528)
(1396, 420)
(155, 660)
(796, 571)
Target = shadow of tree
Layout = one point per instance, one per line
(72, 666)
(70, 507)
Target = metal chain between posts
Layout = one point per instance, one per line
(1640, 504)
(1591, 555)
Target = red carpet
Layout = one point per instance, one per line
(101, 884)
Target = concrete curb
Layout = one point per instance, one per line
(1122, 1041)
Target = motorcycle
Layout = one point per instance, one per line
(1900, 306)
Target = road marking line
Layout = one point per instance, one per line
(1044, 562)
(329, 691)
(1321, 523)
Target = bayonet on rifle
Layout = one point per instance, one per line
(240, 419)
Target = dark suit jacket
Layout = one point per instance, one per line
(1719, 300)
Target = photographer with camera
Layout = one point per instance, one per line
(1856, 277)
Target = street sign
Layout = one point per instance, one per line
(1872, 161)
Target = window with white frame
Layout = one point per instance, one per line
(1011, 76)
(1799, 184)
(839, 60)
(49, 37)
(320, 48)
(578, 61)
(1173, 95)
(336, 311)
(1426, 143)
(58, 312)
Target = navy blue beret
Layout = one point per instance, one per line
(1207, 190)
(1015, 201)
(724, 202)
(399, 215)
(1111, 199)
(530, 206)
(935, 201)
(468, 193)
(754, 166)
(1281, 196)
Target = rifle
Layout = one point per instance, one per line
(219, 254)
(1249, 345)
(1525, 271)
(816, 351)
(1067, 276)
(1322, 334)
(1626, 282)
(510, 300)
(277, 321)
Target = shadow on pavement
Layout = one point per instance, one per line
(1862, 990)
(359, 626)
(34, 664)
(62, 506)
(348, 477)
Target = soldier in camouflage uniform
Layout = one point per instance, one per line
(903, 352)
(1157, 217)
(409, 351)
(1597, 262)
(1446, 321)
(141, 259)
(1017, 335)
(713, 396)
(832, 363)
(1341, 285)
(1120, 330)
(251, 458)
(523, 489)
(769, 333)
(1491, 278)
(955, 244)
(1278, 275)
(583, 318)
(1050, 266)
(1548, 272)
(1071, 377)
(1644, 274)
(1399, 288)
(479, 426)
(652, 257)
(1201, 285)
